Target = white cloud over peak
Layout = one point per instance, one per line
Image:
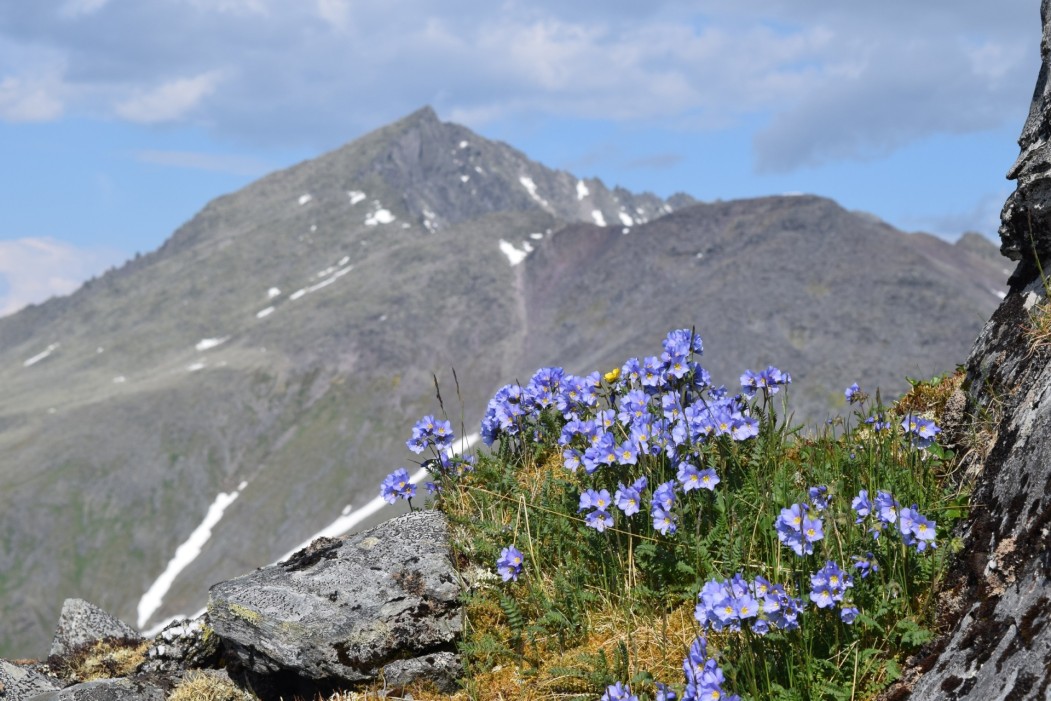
(829, 81)
(28, 101)
(169, 101)
(35, 269)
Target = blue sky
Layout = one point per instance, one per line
(119, 119)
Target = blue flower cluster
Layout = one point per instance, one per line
(430, 432)
(768, 381)
(797, 529)
(661, 408)
(662, 404)
(629, 498)
(396, 486)
(509, 564)
(878, 422)
(438, 436)
(884, 511)
(704, 678)
(729, 604)
(599, 501)
(828, 586)
(665, 521)
(921, 431)
(619, 692)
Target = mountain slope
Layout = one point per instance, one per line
(267, 362)
(797, 282)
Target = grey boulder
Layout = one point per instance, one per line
(343, 611)
(18, 683)
(81, 622)
(105, 690)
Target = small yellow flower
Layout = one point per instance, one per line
(612, 375)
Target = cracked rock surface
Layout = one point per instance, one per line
(344, 610)
(999, 646)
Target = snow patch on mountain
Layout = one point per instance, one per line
(185, 554)
(530, 186)
(582, 190)
(597, 216)
(356, 196)
(380, 216)
(303, 199)
(515, 255)
(207, 343)
(40, 356)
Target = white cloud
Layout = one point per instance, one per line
(35, 269)
(73, 9)
(983, 216)
(169, 101)
(890, 97)
(22, 101)
(335, 12)
(824, 77)
(237, 165)
(232, 7)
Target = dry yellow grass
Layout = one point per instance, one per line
(1038, 333)
(655, 643)
(929, 398)
(201, 686)
(106, 659)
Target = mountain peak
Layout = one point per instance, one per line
(425, 114)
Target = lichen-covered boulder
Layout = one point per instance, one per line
(343, 611)
(18, 682)
(81, 622)
(999, 605)
(106, 690)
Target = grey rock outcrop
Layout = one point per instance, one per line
(182, 645)
(343, 611)
(18, 683)
(1027, 209)
(1000, 645)
(81, 622)
(106, 690)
